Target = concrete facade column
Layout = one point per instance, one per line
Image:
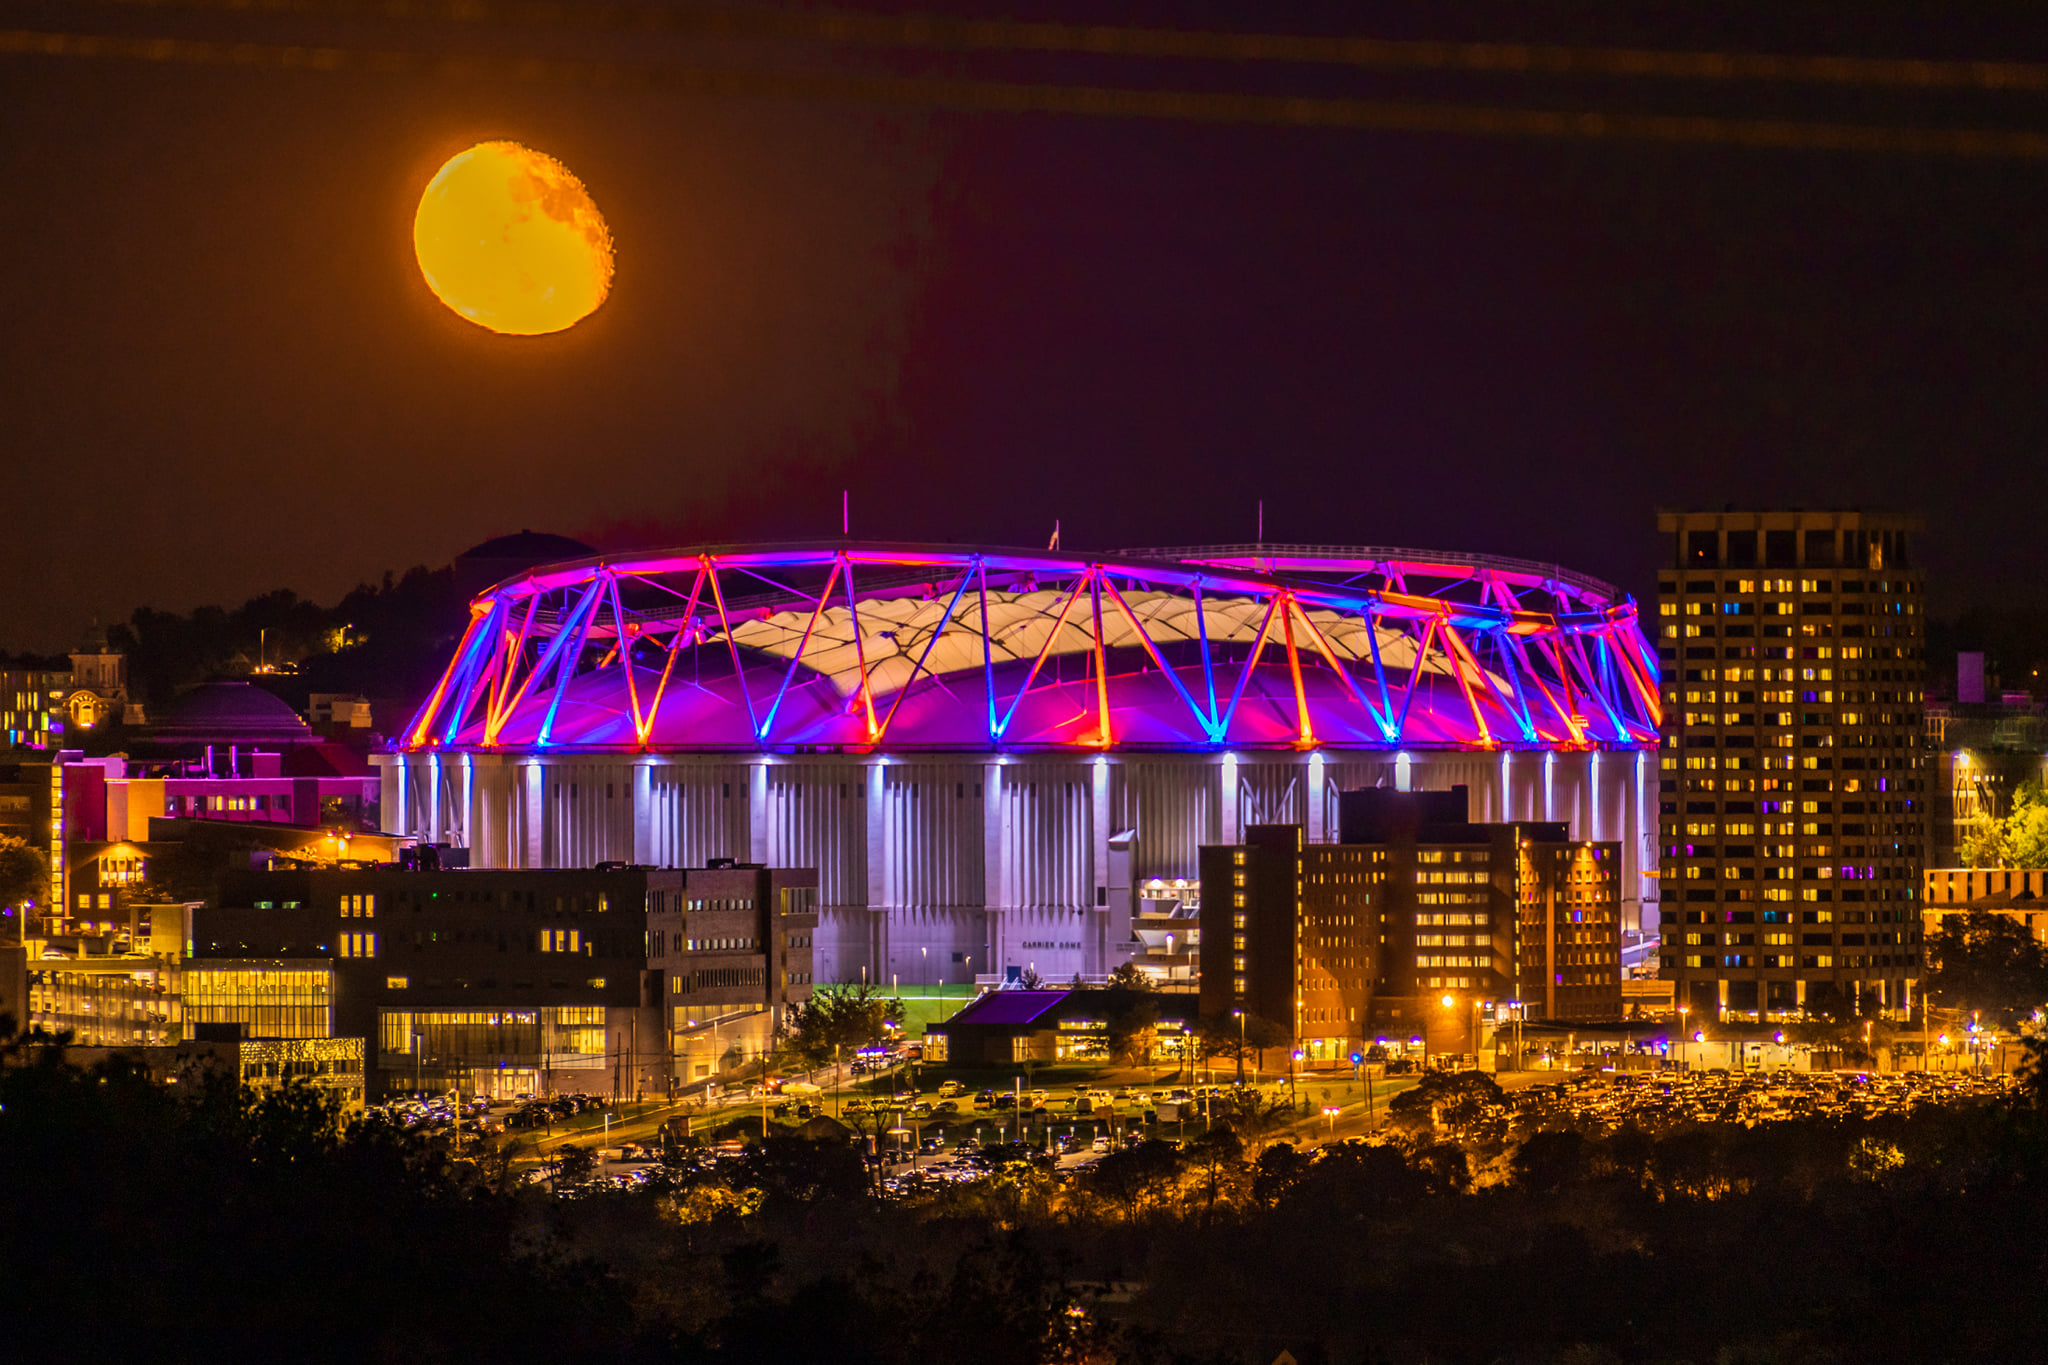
(643, 811)
(876, 927)
(390, 792)
(486, 811)
(433, 799)
(995, 868)
(1095, 947)
(1232, 827)
(532, 817)
(757, 812)
(1318, 820)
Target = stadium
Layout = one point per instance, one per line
(994, 758)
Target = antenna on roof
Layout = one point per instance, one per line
(845, 512)
(1054, 543)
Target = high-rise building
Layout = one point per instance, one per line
(1793, 792)
(1418, 924)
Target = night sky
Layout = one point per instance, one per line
(220, 372)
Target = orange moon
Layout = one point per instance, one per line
(508, 238)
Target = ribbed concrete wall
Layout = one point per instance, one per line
(935, 868)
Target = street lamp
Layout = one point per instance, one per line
(1239, 1016)
(1294, 1066)
(1330, 1113)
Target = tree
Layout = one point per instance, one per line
(570, 1168)
(1135, 1176)
(1460, 1100)
(1225, 1035)
(1252, 1115)
(789, 1168)
(1218, 1158)
(1444, 1168)
(1548, 1161)
(2020, 839)
(24, 872)
(1280, 1168)
(1984, 846)
(2026, 829)
(835, 1020)
(1128, 977)
(2033, 1068)
(1131, 1016)
(1355, 1177)
(1986, 962)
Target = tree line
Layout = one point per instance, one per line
(175, 1221)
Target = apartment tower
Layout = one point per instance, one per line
(1792, 791)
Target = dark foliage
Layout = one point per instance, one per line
(381, 640)
(1988, 963)
(150, 1223)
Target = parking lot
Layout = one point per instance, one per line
(1608, 1101)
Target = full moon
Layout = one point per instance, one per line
(509, 238)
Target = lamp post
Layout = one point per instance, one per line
(1330, 1113)
(1293, 1067)
(1449, 1002)
(925, 954)
(1683, 1034)
(1239, 1016)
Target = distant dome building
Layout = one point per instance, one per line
(501, 557)
(231, 713)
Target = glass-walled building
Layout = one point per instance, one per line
(502, 1052)
(268, 997)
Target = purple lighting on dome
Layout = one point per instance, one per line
(860, 647)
